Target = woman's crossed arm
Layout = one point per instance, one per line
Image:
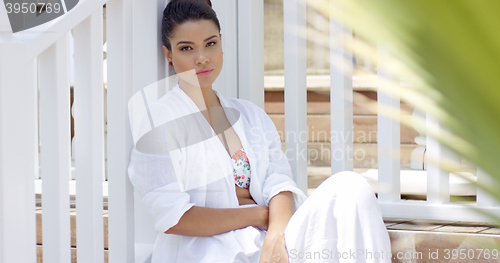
(205, 221)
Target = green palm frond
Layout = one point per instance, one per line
(450, 51)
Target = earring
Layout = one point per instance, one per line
(171, 64)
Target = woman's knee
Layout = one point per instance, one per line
(350, 185)
(348, 179)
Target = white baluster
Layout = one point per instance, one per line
(227, 82)
(341, 96)
(251, 51)
(89, 136)
(484, 198)
(296, 89)
(120, 89)
(55, 150)
(438, 182)
(153, 68)
(18, 150)
(388, 137)
(417, 155)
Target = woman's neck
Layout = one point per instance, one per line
(202, 97)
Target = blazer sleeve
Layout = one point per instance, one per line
(153, 177)
(279, 172)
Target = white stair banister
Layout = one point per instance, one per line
(89, 136)
(296, 89)
(120, 89)
(388, 134)
(484, 198)
(227, 82)
(251, 51)
(18, 151)
(149, 66)
(438, 180)
(341, 94)
(55, 153)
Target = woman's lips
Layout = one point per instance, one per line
(204, 72)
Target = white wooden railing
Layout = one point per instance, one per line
(37, 59)
(437, 206)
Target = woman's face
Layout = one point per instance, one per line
(197, 45)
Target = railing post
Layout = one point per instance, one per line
(227, 82)
(296, 89)
(89, 138)
(484, 198)
(438, 180)
(120, 89)
(388, 134)
(341, 96)
(18, 151)
(251, 51)
(55, 155)
(149, 67)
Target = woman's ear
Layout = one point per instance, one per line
(167, 53)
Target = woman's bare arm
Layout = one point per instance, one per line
(281, 209)
(204, 221)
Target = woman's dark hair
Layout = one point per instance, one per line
(180, 11)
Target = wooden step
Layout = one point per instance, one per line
(39, 254)
(318, 102)
(365, 129)
(430, 242)
(360, 81)
(72, 227)
(39, 236)
(413, 238)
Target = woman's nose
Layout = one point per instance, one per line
(202, 58)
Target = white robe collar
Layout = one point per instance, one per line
(237, 126)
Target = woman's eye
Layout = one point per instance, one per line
(212, 44)
(184, 48)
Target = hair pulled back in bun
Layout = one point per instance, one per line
(180, 11)
(208, 2)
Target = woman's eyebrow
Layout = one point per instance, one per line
(187, 42)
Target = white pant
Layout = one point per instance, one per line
(339, 222)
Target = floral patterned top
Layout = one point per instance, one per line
(241, 169)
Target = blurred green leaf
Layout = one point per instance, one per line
(454, 47)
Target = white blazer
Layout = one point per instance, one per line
(201, 174)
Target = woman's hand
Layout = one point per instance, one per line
(274, 248)
(262, 217)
